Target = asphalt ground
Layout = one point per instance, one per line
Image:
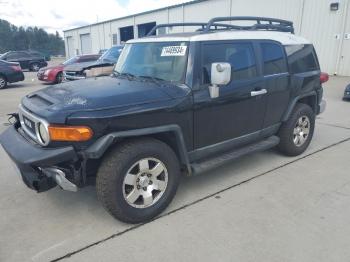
(263, 207)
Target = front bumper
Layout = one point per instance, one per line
(69, 77)
(347, 95)
(32, 159)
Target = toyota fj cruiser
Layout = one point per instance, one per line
(176, 103)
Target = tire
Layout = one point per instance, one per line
(59, 78)
(123, 162)
(34, 67)
(296, 133)
(3, 82)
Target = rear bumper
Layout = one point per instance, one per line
(322, 106)
(31, 159)
(15, 77)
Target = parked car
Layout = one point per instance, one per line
(176, 104)
(102, 67)
(27, 60)
(54, 74)
(347, 93)
(10, 73)
(102, 51)
(46, 56)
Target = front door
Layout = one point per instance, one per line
(238, 111)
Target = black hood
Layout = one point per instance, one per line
(57, 102)
(78, 67)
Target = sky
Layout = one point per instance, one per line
(59, 15)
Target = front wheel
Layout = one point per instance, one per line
(59, 78)
(296, 133)
(138, 179)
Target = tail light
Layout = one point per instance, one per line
(17, 68)
(324, 77)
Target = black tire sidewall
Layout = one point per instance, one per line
(120, 208)
(3, 87)
(59, 78)
(287, 145)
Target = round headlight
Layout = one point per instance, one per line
(44, 133)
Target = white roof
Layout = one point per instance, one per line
(283, 38)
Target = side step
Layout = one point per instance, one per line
(225, 158)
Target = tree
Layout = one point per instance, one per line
(14, 38)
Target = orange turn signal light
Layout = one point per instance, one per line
(70, 133)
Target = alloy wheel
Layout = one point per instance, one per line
(301, 131)
(145, 183)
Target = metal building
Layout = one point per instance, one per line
(325, 22)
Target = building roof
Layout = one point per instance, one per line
(283, 38)
(137, 14)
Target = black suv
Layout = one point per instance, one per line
(179, 103)
(27, 59)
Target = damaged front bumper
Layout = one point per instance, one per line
(38, 166)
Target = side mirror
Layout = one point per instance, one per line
(220, 75)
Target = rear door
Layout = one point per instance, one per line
(276, 81)
(235, 113)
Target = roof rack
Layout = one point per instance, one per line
(262, 23)
(203, 26)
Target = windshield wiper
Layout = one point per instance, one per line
(127, 75)
(156, 80)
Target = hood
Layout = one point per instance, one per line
(77, 67)
(55, 103)
(59, 67)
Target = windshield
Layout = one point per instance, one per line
(112, 54)
(3, 55)
(160, 60)
(70, 60)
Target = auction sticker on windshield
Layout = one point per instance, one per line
(174, 51)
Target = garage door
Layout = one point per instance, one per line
(85, 43)
(70, 47)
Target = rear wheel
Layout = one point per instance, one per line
(34, 67)
(138, 179)
(3, 82)
(297, 132)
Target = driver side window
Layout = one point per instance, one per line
(239, 55)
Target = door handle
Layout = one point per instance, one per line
(258, 93)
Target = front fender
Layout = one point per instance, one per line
(97, 150)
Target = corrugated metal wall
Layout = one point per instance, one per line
(312, 19)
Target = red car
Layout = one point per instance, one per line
(54, 74)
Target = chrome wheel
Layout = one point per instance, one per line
(35, 67)
(2, 82)
(301, 131)
(145, 183)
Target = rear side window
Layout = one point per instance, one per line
(273, 58)
(301, 58)
(239, 55)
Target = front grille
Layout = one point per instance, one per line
(30, 124)
(71, 73)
